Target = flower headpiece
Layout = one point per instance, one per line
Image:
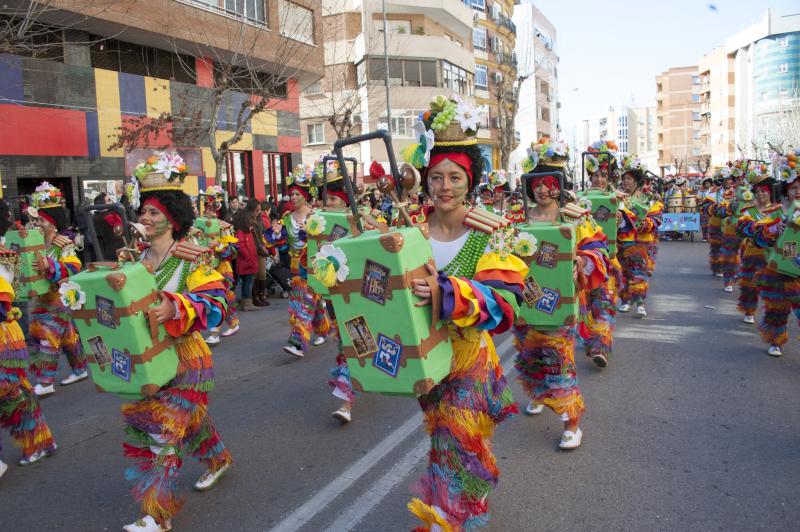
(215, 192)
(547, 152)
(722, 173)
(498, 178)
(757, 173)
(448, 122)
(737, 167)
(302, 178)
(47, 195)
(164, 172)
(593, 162)
(633, 163)
(786, 165)
(329, 173)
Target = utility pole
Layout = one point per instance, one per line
(386, 67)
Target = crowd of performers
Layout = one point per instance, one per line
(750, 213)
(478, 286)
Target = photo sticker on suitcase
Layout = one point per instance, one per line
(121, 365)
(99, 351)
(387, 358)
(789, 250)
(602, 213)
(375, 283)
(531, 291)
(546, 257)
(549, 301)
(363, 341)
(105, 312)
(337, 232)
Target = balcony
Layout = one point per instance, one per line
(454, 15)
(421, 47)
(507, 59)
(505, 22)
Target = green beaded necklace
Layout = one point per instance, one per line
(168, 270)
(463, 264)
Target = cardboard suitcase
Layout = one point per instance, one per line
(605, 206)
(206, 230)
(784, 256)
(129, 353)
(550, 296)
(334, 224)
(391, 345)
(29, 244)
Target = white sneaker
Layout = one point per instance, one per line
(284, 295)
(774, 351)
(209, 479)
(342, 415)
(319, 340)
(43, 390)
(230, 332)
(641, 312)
(3, 468)
(625, 307)
(147, 524)
(571, 440)
(213, 339)
(749, 319)
(75, 377)
(534, 408)
(37, 456)
(292, 350)
(719, 274)
(728, 288)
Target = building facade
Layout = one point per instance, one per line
(127, 63)
(717, 107)
(678, 120)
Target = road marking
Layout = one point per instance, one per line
(666, 334)
(323, 498)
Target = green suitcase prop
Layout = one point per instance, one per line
(29, 244)
(129, 353)
(391, 345)
(783, 257)
(205, 231)
(639, 209)
(336, 225)
(550, 299)
(604, 210)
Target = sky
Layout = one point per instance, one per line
(610, 52)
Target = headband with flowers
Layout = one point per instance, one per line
(547, 152)
(163, 172)
(593, 162)
(786, 165)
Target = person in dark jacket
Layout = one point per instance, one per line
(109, 228)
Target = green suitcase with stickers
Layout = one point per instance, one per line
(129, 353)
(324, 226)
(29, 245)
(604, 210)
(783, 256)
(206, 230)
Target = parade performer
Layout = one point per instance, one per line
(498, 184)
(225, 249)
(175, 420)
(51, 328)
(546, 359)
(637, 254)
(307, 310)
(600, 304)
(706, 191)
(481, 292)
(758, 205)
(19, 407)
(727, 210)
(722, 192)
(780, 292)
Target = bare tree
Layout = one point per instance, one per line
(704, 163)
(242, 83)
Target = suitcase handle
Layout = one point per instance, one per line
(527, 177)
(152, 322)
(583, 163)
(325, 161)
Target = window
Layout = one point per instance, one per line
(479, 38)
(480, 5)
(695, 80)
(783, 42)
(695, 116)
(404, 72)
(695, 98)
(497, 11)
(402, 27)
(696, 135)
(296, 22)
(402, 122)
(481, 76)
(783, 68)
(252, 11)
(314, 88)
(456, 79)
(120, 56)
(316, 133)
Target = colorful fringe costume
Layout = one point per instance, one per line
(175, 420)
(708, 207)
(226, 253)
(638, 253)
(599, 313)
(51, 328)
(753, 259)
(481, 297)
(307, 310)
(19, 407)
(340, 382)
(781, 293)
(729, 250)
(546, 359)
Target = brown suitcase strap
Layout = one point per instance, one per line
(394, 282)
(119, 312)
(435, 336)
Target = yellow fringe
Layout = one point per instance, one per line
(428, 515)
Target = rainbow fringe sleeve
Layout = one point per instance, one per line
(765, 232)
(201, 306)
(7, 296)
(62, 268)
(626, 226)
(593, 247)
(226, 249)
(652, 220)
(489, 301)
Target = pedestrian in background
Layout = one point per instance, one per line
(247, 259)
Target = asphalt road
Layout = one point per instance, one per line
(692, 427)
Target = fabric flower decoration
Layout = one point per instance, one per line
(419, 154)
(585, 203)
(330, 265)
(71, 295)
(525, 244)
(315, 225)
(467, 116)
(747, 195)
(168, 164)
(796, 217)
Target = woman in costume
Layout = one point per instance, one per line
(636, 247)
(780, 292)
(307, 310)
(545, 360)
(754, 258)
(599, 305)
(716, 196)
(480, 295)
(705, 191)
(225, 249)
(175, 420)
(51, 328)
(19, 407)
(731, 240)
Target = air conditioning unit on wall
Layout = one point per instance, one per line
(498, 77)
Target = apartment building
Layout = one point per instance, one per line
(91, 69)
(717, 107)
(678, 120)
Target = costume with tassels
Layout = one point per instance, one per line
(731, 240)
(307, 310)
(51, 327)
(780, 292)
(481, 295)
(545, 360)
(709, 207)
(175, 420)
(19, 407)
